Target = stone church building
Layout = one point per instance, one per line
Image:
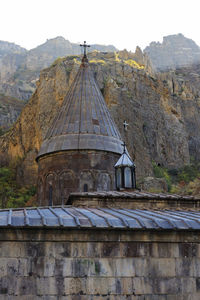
(105, 244)
(82, 145)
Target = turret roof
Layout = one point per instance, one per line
(83, 121)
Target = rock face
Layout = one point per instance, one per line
(10, 109)
(19, 68)
(175, 51)
(162, 126)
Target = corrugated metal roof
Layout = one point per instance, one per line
(110, 218)
(83, 121)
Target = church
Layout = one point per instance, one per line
(82, 146)
(93, 235)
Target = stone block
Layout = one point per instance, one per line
(142, 286)
(12, 249)
(93, 250)
(67, 267)
(12, 266)
(127, 286)
(80, 267)
(110, 249)
(161, 267)
(166, 286)
(79, 249)
(141, 266)
(75, 286)
(46, 286)
(35, 249)
(188, 285)
(49, 266)
(185, 267)
(135, 249)
(193, 296)
(26, 286)
(58, 250)
(165, 250)
(103, 286)
(3, 266)
(196, 266)
(124, 267)
(8, 285)
(23, 267)
(103, 267)
(188, 250)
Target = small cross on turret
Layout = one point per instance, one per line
(124, 145)
(84, 47)
(125, 125)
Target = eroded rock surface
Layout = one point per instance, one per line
(162, 127)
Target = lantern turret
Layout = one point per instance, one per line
(125, 172)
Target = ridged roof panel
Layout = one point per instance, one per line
(83, 121)
(102, 218)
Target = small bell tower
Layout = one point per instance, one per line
(125, 168)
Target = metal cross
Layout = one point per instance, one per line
(125, 125)
(124, 145)
(84, 47)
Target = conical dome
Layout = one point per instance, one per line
(83, 121)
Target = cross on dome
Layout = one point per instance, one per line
(84, 45)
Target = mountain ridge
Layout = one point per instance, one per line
(20, 68)
(175, 51)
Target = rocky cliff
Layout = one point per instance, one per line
(175, 51)
(19, 68)
(162, 111)
(10, 109)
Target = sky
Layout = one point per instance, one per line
(122, 23)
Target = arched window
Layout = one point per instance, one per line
(127, 177)
(85, 188)
(50, 195)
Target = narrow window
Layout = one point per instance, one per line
(128, 177)
(85, 188)
(119, 179)
(50, 195)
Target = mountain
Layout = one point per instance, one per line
(175, 51)
(162, 110)
(10, 48)
(19, 68)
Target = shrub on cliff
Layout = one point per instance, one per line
(11, 194)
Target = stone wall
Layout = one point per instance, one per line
(98, 264)
(72, 171)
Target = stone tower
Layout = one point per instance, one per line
(81, 146)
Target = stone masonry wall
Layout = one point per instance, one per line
(81, 264)
(69, 171)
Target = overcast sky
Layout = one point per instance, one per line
(122, 23)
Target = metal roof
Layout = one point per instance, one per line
(83, 121)
(124, 161)
(100, 218)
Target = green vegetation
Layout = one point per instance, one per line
(57, 61)
(161, 172)
(182, 181)
(11, 194)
